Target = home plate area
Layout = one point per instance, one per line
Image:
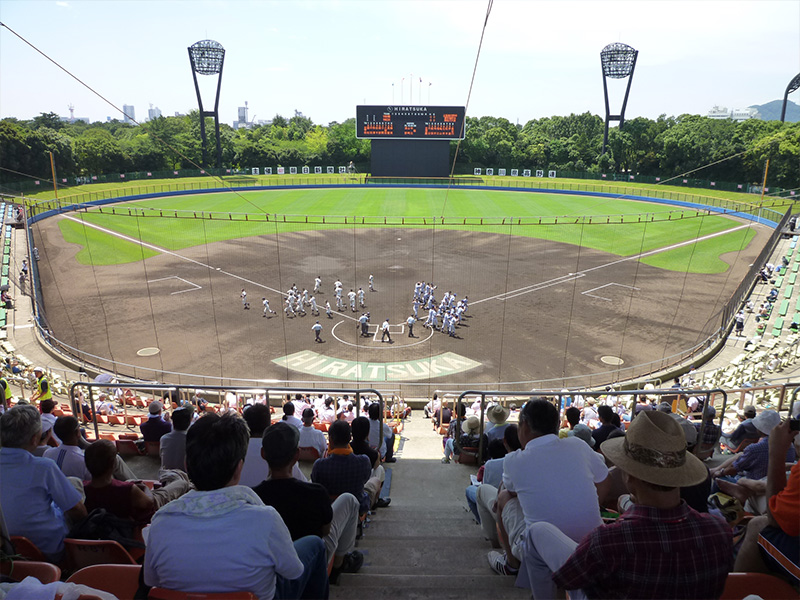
(397, 330)
(173, 285)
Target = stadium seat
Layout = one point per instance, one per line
(784, 308)
(788, 292)
(152, 449)
(158, 593)
(308, 454)
(120, 580)
(26, 548)
(84, 553)
(20, 569)
(127, 448)
(768, 587)
(779, 557)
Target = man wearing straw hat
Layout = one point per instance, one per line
(660, 548)
(498, 417)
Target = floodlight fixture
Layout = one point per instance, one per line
(207, 58)
(794, 84)
(618, 61)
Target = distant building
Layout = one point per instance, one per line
(737, 114)
(241, 122)
(130, 113)
(74, 119)
(179, 114)
(153, 113)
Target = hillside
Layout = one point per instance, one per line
(771, 111)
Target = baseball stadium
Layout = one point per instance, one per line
(362, 364)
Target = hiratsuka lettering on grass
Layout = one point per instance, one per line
(312, 363)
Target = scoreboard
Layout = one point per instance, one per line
(410, 122)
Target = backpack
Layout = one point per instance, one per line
(102, 525)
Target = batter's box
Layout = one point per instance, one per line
(611, 289)
(179, 284)
(393, 330)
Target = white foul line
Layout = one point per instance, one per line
(572, 276)
(587, 292)
(161, 250)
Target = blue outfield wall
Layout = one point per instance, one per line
(680, 203)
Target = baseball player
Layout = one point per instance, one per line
(317, 329)
(289, 309)
(245, 303)
(351, 295)
(313, 303)
(318, 285)
(328, 310)
(267, 309)
(371, 281)
(361, 297)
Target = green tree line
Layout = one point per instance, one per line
(713, 149)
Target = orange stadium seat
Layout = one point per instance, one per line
(120, 580)
(158, 593)
(768, 587)
(26, 548)
(20, 569)
(84, 553)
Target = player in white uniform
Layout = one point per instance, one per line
(416, 307)
(328, 310)
(371, 281)
(245, 303)
(318, 285)
(351, 295)
(361, 297)
(313, 303)
(339, 304)
(305, 297)
(289, 309)
(267, 309)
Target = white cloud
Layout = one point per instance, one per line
(62, 4)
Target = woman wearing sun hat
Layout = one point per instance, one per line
(498, 417)
(660, 548)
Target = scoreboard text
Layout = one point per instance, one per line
(410, 122)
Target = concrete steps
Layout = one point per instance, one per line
(425, 544)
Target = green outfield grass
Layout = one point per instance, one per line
(415, 203)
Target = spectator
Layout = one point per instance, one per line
(124, 499)
(343, 471)
(156, 426)
(605, 414)
(470, 437)
(306, 507)
(69, 456)
(744, 431)
(37, 498)
(583, 432)
(253, 548)
(709, 435)
(255, 469)
(660, 549)
(382, 442)
(360, 445)
(310, 437)
(328, 412)
(491, 472)
(48, 420)
(753, 461)
(173, 444)
(498, 417)
(536, 480)
(780, 527)
(442, 416)
(288, 416)
(573, 416)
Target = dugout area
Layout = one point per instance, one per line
(539, 309)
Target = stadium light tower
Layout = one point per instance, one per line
(618, 62)
(793, 85)
(206, 58)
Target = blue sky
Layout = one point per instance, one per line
(322, 58)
